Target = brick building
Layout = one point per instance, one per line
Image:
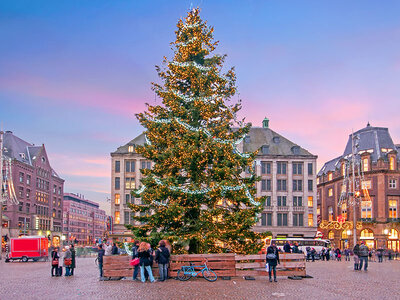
(377, 218)
(38, 188)
(84, 222)
(288, 180)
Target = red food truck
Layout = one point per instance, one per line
(29, 247)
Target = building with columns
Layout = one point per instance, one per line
(376, 214)
(288, 181)
(38, 189)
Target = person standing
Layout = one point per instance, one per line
(286, 247)
(135, 255)
(295, 248)
(162, 258)
(347, 254)
(54, 262)
(67, 261)
(100, 255)
(73, 259)
(114, 249)
(61, 262)
(363, 253)
(108, 249)
(380, 254)
(322, 254)
(145, 263)
(272, 259)
(356, 250)
(313, 252)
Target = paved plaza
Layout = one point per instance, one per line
(332, 280)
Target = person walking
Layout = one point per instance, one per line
(67, 261)
(145, 263)
(347, 254)
(363, 253)
(380, 255)
(286, 247)
(114, 249)
(73, 259)
(356, 250)
(272, 259)
(135, 255)
(54, 262)
(313, 252)
(162, 258)
(100, 255)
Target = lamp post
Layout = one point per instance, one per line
(1, 194)
(353, 189)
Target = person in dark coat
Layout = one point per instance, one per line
(114, 250)
(135, 255)
(100, 255)
(144, 254)
(286, 247)
(272, 258)
(54, 262)
(73, 263)
(162, 258)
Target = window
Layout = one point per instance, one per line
(21, 192)
(392, 183)
(263, 219)
(145, 165)
(21, 177)
(331, 235)
(365, 164)
(276, 139)
(330, 192)
(310, 220)
(297, 168)
(28, 193)
(281, 184)
(330, 176)
(130, 183)
(282, 219)
(28, 179)
(20, 206)
(310, 201)
(366, 209)
(117, 199)
(330, 213)
(281, 167)
(117, 183)
(297, 201)
(117, 166)
(127, 218)
(367, 234)
(265, 149)
(310, 169)
(131, 149)
(318, 210)
(28, 207)
(126, 198)
(268, 201)
(344, 211)
(310, 185)
(392, 209)
(269, 219)
(130, 166)
(297, 185)
(281, 200)
(266, 185)
(265, 167)
(296, 150)
(298, 220)
(343, 168)
(392, 163)
(117, 217)
(344, 235)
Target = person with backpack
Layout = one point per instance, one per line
(135, 255)
(144, 255)
(54, 262)
(162, 258)
(272, 259)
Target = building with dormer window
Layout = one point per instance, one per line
(378, 222)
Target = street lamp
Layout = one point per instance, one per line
(348, 232)
(386, 231)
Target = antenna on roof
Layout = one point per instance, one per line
(368, 125)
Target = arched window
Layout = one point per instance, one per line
(344, 235)
(394, 234)
(331, 235)
(367, 234)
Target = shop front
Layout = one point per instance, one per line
(393, 242)
(367, 235)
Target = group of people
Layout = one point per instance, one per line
(145, 256)
(63, 259)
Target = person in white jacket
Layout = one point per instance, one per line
(61, 261)
(108, 250)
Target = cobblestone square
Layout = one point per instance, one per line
(332, 280)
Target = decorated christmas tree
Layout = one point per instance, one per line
(195, 195)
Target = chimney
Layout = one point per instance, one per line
(265, 123)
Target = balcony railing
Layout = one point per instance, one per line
(298, 208)
(282, 208)
(269, 208)
(393, 220)
(368, 220)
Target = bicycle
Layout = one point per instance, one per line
(187, 272)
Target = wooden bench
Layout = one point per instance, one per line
(229, 264)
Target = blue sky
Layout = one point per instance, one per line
(74, 73)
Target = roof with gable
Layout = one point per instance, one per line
(139, 140)
(374, 140)
(277, 144)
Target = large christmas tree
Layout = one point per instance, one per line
(195, 195)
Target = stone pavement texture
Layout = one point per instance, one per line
(332, 280)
